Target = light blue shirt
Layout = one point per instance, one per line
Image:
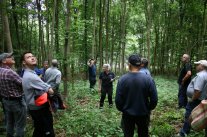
(199, 82)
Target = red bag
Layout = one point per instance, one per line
(41, 99)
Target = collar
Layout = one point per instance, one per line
(5, 66)
(30, 70)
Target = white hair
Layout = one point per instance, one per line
(107, 66)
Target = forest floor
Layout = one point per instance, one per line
(83, 118)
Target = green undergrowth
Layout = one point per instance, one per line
(83, 118)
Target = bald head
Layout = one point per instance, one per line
(54, 63)
(185, 58)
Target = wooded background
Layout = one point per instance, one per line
(108, 30)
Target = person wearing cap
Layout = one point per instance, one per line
(196, 91)
(53, 78)
(36, 92)
(184, 80)
(12, 96)
(106, 79)
(144, 66)
(92, 73)
(136, 97)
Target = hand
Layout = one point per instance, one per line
(50, 91)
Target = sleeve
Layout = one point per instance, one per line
(153, 95)
(199, 83)
(188, 67)
(16, 78)
(119, 97)
(38, 85)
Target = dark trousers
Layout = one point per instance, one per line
(43, 122)
(129, 122)
(182, 96)
(92, 81)
(105, 91)
(190, 106)
(15, 114)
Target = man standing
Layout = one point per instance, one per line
(12, 94)
(136, 96)
(45, 67)
(197, 92)
(92, 73)
(106, 79)
(184, 80)
(53, 78)
(144, 66)
(36, 98)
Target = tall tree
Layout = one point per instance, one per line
(6, 27)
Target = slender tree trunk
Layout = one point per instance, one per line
(66, 51)
(123, 34)
(148, 25)
(94, 31)
(47, 31)
(13, 3)
(102, 9)
(107, 30)
(2, 28)
(86, 36)
(51, 46)
(6, 28)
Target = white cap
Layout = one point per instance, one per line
(202, 62)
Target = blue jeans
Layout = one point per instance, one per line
(182, 97)
(15, 111)
(190, 106)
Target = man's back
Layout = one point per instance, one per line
(136, 94)
(52, 77)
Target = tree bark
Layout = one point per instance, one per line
(6, 28)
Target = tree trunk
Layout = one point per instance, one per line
(94, 31)
(66, 51)
(148, 25)
(13, 3)
(6, 28)
(123, 34)
(51, 46)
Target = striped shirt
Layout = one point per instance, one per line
(10, 83)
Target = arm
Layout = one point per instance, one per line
(196, 95)
(119, 97)
(153, 95)
(99, 85)
(188, 74)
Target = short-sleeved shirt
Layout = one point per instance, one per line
(10, 83)
(92, 71)
(186, 67)
(199, 82)
(106, 79)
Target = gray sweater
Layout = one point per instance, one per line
(53, 77)
(32, 86)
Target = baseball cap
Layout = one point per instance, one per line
(202, 62)
(135, 60)
(4, 56)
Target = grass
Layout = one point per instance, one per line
(83, 118)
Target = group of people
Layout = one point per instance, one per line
(28, 93)
(191, 92)
(136, 93)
